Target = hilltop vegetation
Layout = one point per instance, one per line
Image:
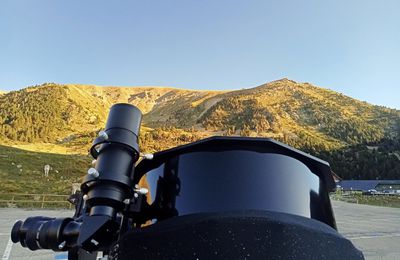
(337, 128)
(375, 161)
(62, 113)
(47, 113)
(284, 108)
(288, 108)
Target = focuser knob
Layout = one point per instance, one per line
(147, 156)
(103, 135)
(140, 190)
(93, 172)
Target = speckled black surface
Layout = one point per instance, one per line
(236, 235)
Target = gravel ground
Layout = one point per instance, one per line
(373, 230)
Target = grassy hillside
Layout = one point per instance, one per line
(21, 171)
(63, 113)
(293, 110)
(63, 120)
(49, 113)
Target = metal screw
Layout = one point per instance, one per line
(61, 246)
(135, 195)
(94, 242)
(147, 156)
(103, 135)
(93, 172)
(127, 201)
(142, 191)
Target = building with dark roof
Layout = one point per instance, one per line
(366, 185)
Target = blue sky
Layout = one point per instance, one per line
(349, 46)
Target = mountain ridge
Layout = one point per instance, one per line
(269, 109)
(65, 118)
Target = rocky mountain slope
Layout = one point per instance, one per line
(317, 120)
(52, 112)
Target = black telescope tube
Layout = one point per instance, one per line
(116, 150)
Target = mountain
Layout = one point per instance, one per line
(53, 117)
(59, 113)
(283, 109)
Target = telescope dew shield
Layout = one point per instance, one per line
(116, 150)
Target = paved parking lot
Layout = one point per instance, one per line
(374, 230)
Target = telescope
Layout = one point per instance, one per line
(217, 198)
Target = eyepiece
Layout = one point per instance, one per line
(15, 235)
(45, 233)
